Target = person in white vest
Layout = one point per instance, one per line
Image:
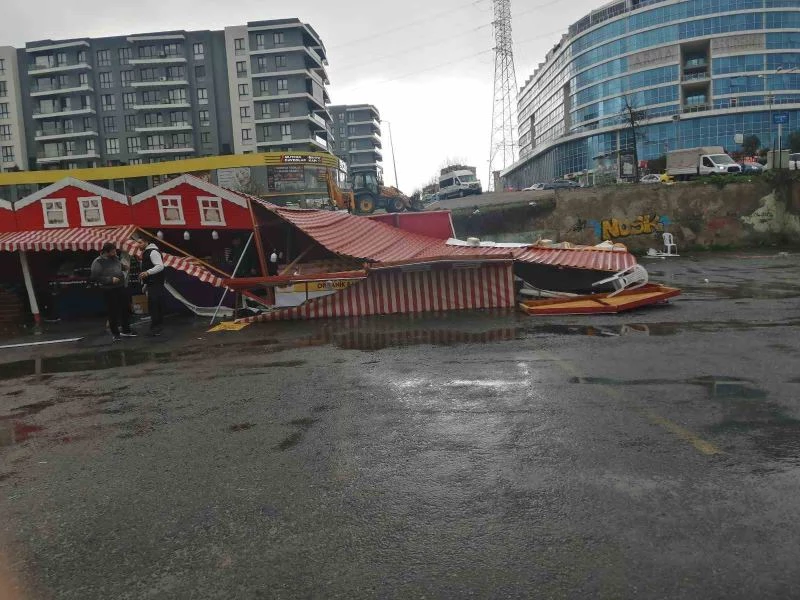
(272, 267)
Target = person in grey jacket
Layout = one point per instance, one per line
(108, 271)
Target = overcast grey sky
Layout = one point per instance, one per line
(427, 66)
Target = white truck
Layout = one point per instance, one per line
(705, 160)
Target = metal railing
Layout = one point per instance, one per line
(692, 108)
(695, 76)
(38, 67)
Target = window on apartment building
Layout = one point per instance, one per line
(247, 135)
(202, 96)
(178, 96)
(2, 66)
(262, 63)
(341, 117)
(283, 86)
(264, 110)
(5, 132)
(130, 122)
(244, 113)
(8, 154)
(205, 138)
(3, 89)
(260, 44)
(83, 79)
(3, 110)
(283, 108)
(172, 49)
(177, 73)
(91, 211)
(127, 77)
(342, 132)
(104, 58)
(181, 140)
(148, 74)
(125, 55)
(151, 97)
(200, 72)
(90, 147)
(177, 118)
(286, 132)
(155, 142)
(210, 211)
(266, 132)
(280, 61)
(171, 210)
(198, 51)
(82, 56)
(205, 119)
(153, 120)
(244, 90)
(134, 145)
(241, 68)
(238, 45)
(61, 58)
(148, 51)
(112, 146)
(106, 80)
(277, 38)
(88, 124)
(86, 102)
(128, 100)
(263, 87)
(108, 102)
(110, 124)
(134, 161)
(55, 213)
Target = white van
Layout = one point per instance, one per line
(458, 184)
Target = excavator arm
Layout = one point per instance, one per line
(343, 200)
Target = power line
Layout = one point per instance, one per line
(427, 19)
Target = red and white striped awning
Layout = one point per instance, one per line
(81, 238)
(186, 265)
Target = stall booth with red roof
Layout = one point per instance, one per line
(196, 217)
(12, 291)
(59, 229)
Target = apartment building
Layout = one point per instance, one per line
(278, 78)
(358, 136)
(154, 97)
(13, 153)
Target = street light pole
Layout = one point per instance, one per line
(394, 160)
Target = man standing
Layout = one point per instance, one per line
(107, 270)
(152, 276)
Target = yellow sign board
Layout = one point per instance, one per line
(174, 167)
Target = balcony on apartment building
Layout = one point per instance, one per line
(288, 141)
(53, 113)
(166, 149)
(374, 138)
(63, 154)
(361, 120)
(159, 127)
(159, 59)
(47, 88)
(160, 82)
(163, 104)
(61, 132)
(39, 69)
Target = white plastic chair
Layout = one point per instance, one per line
(669, 245)
(630, 279)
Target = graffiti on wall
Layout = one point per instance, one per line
(610, 229)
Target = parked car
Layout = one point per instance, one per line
(751, 168)
(561, 184)
(794, 162)
(652, 178)
(428, 198)
(535, 187)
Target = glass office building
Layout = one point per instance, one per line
(697, 72)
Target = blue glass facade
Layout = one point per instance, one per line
(700, 71)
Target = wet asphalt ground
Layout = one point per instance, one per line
(648, 455)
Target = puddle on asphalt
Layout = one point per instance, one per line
(717, 387)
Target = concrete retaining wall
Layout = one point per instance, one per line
(698, 215)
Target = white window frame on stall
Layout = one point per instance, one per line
(83, 203)
(219, 207)
(162, 217)
(63, 204)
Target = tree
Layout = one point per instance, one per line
(794, 141)
(634, 117)
(750, 145)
